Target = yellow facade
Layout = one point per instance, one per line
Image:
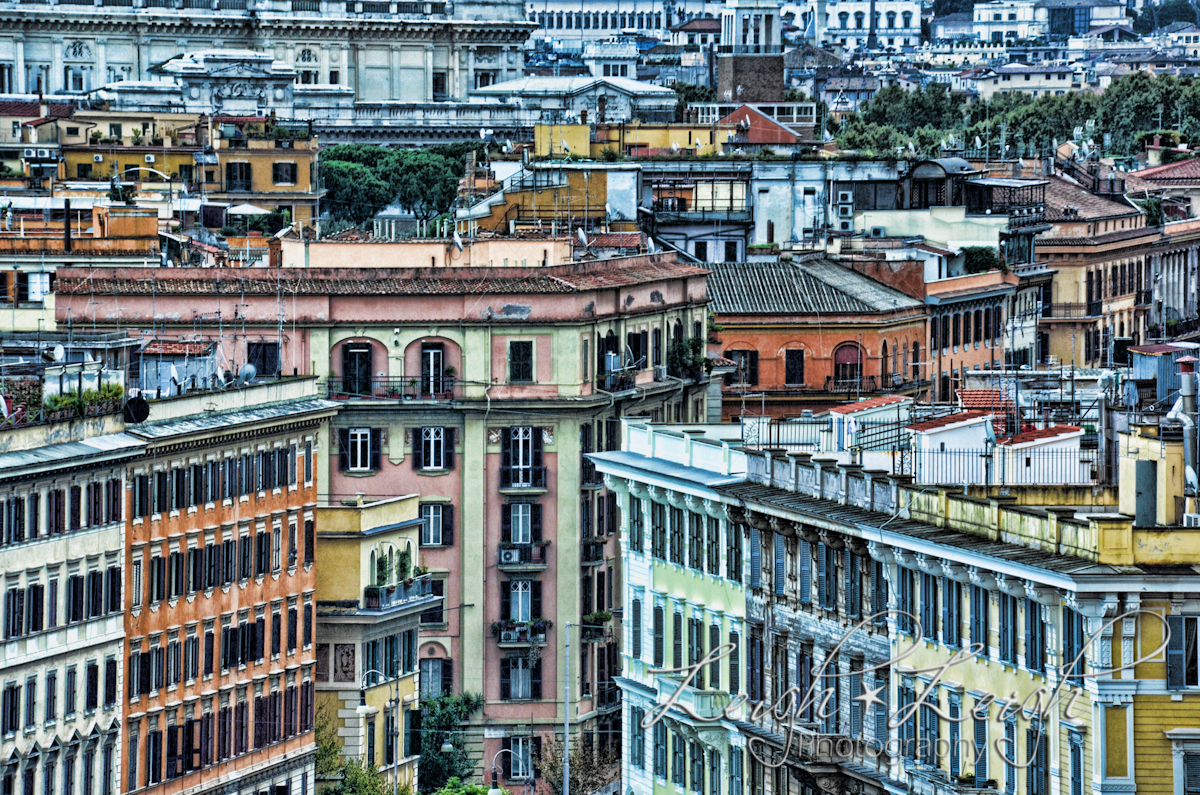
(265, 167)
(368, 554)
(629, 140)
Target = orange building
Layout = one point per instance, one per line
(219, 592)
(811, 334)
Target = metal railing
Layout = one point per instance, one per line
(22, 417)
(1002, 466)
(588, 476)
(592, 553)
(1072, 310)
(864, 383)
(523, 478)
(394, 389)
(531, 554)
(380, 597)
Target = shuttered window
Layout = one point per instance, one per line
(755, 558)
(805, 572)
(780, 563)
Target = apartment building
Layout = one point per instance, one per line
(369, 603)
(220, 591)
(481, 389)
(684, 593)
(63, 480)
(1041, 589)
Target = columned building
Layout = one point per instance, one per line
(400, 51)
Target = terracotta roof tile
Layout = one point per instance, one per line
(1062, 193)
(27, 110)
(863, 405)
(172, 348)
(949, 419)
(616, 240)
(1183, 169)
(1040, 433)
(993, 399)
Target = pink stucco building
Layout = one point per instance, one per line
(481, 390)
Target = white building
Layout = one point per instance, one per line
(1005, 20)
(567, 25)
(62, 560)
(897, 23)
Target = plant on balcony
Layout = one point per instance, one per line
(539, 626)
(505, 626)
(419, 570)
(136, 138)
(119, 192)
(597, 617)
(95, 137)
(980, 259)
(686, 359)
(404, 565)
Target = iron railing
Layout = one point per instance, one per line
(394, 389)
(523, 478)
(532, 554)
(378, 597)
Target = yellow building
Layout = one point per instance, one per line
(553, 141)
(262, 161)
(369, 602)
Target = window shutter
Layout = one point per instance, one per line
(418, 451)
(343, 449)
(448, 437)
(535, 599)
(506, 758)
(505, 681)
(981, 749)
(536, 445)
(143, 674)
(1175, 645)
(948, 611)
(855, 706)
(853, 585)
(735, 663)
(447, 677)
(535, 523)
(780, 555)
(881, 712)
(658, 637)
(636, 629)
(805, 572)
(714, 642)
(677, 638)
(955, 759)
(1191, 773)
(535, 681)
(536, 753)
(376, 446)
(505, 601)
(755, 558)
(506, 523)
(822, 574)
(447, 524)
(506, 449)
(753, 367)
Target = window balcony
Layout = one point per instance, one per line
(394, 389)
(864, 383)
(931, 781)
(608, 697)
(522, 557)
(588, 476)
(523, 478)
(1144, 298)
(379, 597)
(592, 553)
(1069, 311)
(521, 633)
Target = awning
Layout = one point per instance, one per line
(247, 209)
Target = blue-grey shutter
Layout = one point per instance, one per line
(853, 585)
(981, 749)
(855, 706)
(1077, 766)
(755, 558)
(1191, 773)
(780, 557)
(881, 710)
(955, 759)
(636, 629)
(805, 571)
(822, 586)
(1175, 659)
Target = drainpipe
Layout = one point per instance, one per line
(1184, 412)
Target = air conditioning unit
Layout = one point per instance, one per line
(43, 153)
(844, 226)
(30, 153)
(510, 636)
(845, 197)
(97, 158)
(510, 556)
(845, 211)
(1191, 520)
(149, 158)
(878, 231)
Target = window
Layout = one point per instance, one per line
(238, 177)
(520, 361)
(283, 173)
(433, 448)
(1008, 629)
(432, 361)
(359, 449)
(979, 618)
(437, 678)
(356, 369)
(1035, 637)
(793, 371)
(952, 612)
(747, 367)
(521, 458)
(438, 524)
(435, 615)
(264, 356)
(1073, 665)
(521, 523)
(520, 680)
(905, 598)
(847, 365)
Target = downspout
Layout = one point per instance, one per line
(1184, 412)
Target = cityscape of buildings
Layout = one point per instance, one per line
(626, 398)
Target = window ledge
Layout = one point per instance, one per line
(360, 473)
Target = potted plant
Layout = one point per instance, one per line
(136, 138)
(94, 137)
(412, 388)
(448, 375)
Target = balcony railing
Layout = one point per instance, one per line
(931, 781)
(523, 478)
(394, 389)
(702, 216)
(592, 553)
(608, 696)
(1144, 297)
(588, 476)
(864, 383)
(515, 555)
(616, 382)
(22, 417)
(524, 632)
(1072, 310)
(238, 185)
(378, 597)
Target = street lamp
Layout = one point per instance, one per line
(363, 710)
(567, 703)
(495, 790)
(170, 187)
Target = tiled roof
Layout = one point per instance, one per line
(172, 348)
(993, 399)
(852, 84)
(699, 25)
(598, 275)
(1040, 433)
(1183, 169)
(949, 419)
(871, 403)
(616, 240)
(809, 286)
(1101, 239)
(25, 110)
(1062, 193)
(1157, 349)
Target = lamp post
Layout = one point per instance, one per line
(526, 779)
(567, 701)
(363, 710)
(170, 188)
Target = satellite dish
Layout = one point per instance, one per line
(247, 373)
(59, 353)
(174, 375)
(87, 357)
(220, 379)
(137, 409)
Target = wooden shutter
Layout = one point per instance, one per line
(955, 759)
(506, 758)
(881, 711)
(1175, 653)
(506, 449)
(376, 447)
(677, 638)
(418, 449)
(735, 663)
(855, 706)
(659, 652)
(805, 572)
(981, 750)
(448, 441)
(780, 558)
(343, 451)
(755, 558)
(853, 585)
(506, 523)
(535, 599)
(535, 681)
(822, 575)
(636, 628)
(447, 677)
(535, 523)
(536, 446)
(753, 367)
(1191, 773)
(447, 524)
(505, 601)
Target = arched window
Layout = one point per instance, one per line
(858, 19)
(896, 359)
(907, 19)
(844, 20)
(883, 361)
(891, 19)
(847, 365)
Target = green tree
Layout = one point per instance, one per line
(425, 184)
(363, 154)
(456, 787)
(875, 139)
(686, 93)
(353, 192)
(590, 769)
(978, 259)
(329, 747)
(359, 778)
(441, 720)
